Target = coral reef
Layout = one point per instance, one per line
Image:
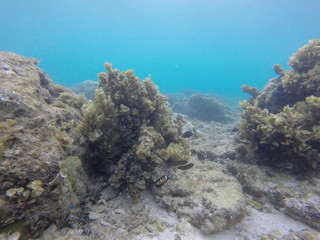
(37, 119)
(202, 106)
(129, 130)
(87, 87)
(284, 118)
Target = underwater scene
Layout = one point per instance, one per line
(160, 120)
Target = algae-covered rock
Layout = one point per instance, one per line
(87, 88)
(204, 107)
(284, 118)
(305, 208)
(293, 235)
(297, 198)
(293, 134)
(208, 198)
(207, 108)
(293, 85)
(254, 179)
(126, 130)
(37, 119)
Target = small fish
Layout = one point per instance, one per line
(72, 209)
(186, 167)
(187, 134)
(161, 181)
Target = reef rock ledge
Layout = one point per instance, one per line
(38, 181)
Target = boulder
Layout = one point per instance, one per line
(38, 181)
(87, 87)
(293, 235)
(299, 199)
(208, 198)
(202, 106)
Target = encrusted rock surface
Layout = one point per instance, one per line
(299, 199)
(211, 141)
(88, 88)
(300, 203)
(37, 119)
(204, 107)
(293, 235)
(208, 198)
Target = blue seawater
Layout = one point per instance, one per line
(208, 45)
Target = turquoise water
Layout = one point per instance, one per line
(208, 45)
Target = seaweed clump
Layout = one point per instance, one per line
(281, 124)
(129, 130)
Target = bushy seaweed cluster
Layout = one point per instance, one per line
(129, 130)
(292, 135)
(282, 123)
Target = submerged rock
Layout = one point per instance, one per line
(293, 235)
(208, 198)
(37, 119)
(88, 88)
(280, 124)
(202, 106)
(301, 204)
(296, 198)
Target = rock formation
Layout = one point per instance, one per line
(38, 181)
(281, 124)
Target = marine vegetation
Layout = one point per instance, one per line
(282, 123)
(129, 130)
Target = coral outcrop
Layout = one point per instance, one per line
(282, 123)
(202, 106)
(88, 88)
(38, 181)
(129, 130)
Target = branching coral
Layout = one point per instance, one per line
(128, 128)
(282, 123)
